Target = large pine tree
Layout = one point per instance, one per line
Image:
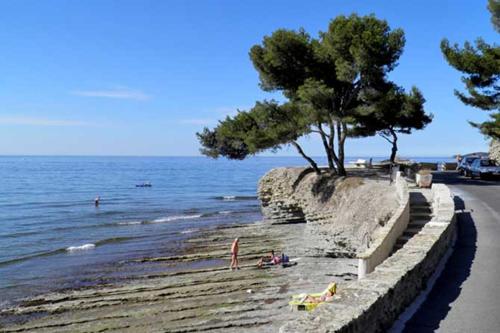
(325, 81)
(480, 64)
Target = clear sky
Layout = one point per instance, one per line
(141, 77)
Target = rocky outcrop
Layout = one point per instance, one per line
(495, 150)
(276, 193)
(341, 212)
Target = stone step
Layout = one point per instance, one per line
(426, 218)
(399, 243)
(403, 238)
(420, 204)
(421, 209)
(418, 223)
(411, 231)
(419, 214)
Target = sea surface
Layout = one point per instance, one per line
(53, 237)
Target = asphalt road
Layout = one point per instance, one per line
(466, 297)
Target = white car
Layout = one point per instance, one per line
(464, 166)
(484, 167)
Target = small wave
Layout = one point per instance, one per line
(108, 213)
(83, 247)
(91, 246)
(30, 256)
(164, 219)
(217, 213)
(236, 197)
(19, 234)
(189, 231)
(176, 217)
(130, 223)
(115, 240)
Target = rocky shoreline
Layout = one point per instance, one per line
(209, 298)
(195, 291)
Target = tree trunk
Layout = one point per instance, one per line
(327, 147)
(341, 133)
(394, 142)
(331, 143)
(310, 160)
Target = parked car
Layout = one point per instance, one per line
(484, 167)
(464, 165)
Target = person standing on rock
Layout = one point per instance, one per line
(234, 254)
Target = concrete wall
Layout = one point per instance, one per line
(373, 303)
(385, 238)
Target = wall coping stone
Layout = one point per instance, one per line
(386, 236)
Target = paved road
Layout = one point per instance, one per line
(466, 297)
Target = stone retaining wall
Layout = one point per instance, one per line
(495, 150)
(385, 238)
(372, 304)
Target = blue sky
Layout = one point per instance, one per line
(141, 77)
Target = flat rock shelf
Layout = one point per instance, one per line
(197, 292)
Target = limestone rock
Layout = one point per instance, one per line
(341, 212)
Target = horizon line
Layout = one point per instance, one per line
(201, 156)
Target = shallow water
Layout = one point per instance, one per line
(52, 236)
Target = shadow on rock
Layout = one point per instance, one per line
(449, 285)
(324, 187)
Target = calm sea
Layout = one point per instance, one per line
(52, 236)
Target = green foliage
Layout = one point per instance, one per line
(480, 64)
(362, 47)
(283, 60)
(267, 125)
(315, 99)
(494, 8)
(325, 81)
(490, 128)
(393, 111)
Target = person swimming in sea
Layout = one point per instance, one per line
(96, 201)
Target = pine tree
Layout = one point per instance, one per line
(481, 67)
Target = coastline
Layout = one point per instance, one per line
(196, 292)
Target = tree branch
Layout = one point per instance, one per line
(386, 138)
(310, 160)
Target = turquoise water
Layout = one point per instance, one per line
(52, 236)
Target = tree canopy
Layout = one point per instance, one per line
(327, 81)
(480, 64)
(395, 112)
(494, 8)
